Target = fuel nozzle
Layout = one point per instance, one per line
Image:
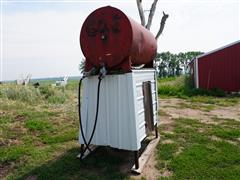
(102, 72)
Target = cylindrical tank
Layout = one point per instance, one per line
(111, 38)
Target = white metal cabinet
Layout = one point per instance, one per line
(121, 118)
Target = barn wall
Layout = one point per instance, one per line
(221, 69)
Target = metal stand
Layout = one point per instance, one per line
(144, 157)
(81, 151)
(83, 155)
(136, 159)
(156, 131)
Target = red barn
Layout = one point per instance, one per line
(219, 68)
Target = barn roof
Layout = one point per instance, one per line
(213, 51)
(218, 49)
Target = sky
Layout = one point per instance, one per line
(41, 37)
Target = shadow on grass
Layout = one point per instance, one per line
(104, 163)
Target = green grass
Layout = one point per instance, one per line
(200, 157)
(39, 132)
(4, 119)
(226, 132)
(225, 101)
(227, 121)
(167, 151)
(61, 138)
(162, 113)
(167, 80)
(38, 124)
(182, 87)
(39, 136)
(101, 166)
(207, 161)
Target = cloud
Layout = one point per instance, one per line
(47, 39)
(199, 26)
(45, 42)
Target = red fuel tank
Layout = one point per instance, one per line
(111, 38)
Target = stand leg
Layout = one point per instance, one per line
(156, 131)
(81, 151)
(136, 159)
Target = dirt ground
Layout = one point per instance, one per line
(176, 108)
(173, 108)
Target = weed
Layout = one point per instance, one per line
(52, 94)
(182, 87)
(33, 95)
(22, 93)
(72, 85)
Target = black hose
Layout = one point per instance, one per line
(79, 112)
(96, 116)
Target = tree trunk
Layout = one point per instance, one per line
(162, 24)
(151, 14)
(150, 17)
(141, 13)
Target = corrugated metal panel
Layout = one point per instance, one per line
(148, 75)
(121, 119)
(221, 69)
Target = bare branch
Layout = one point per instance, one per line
(151, 14)
(162, 24)
(141, 13)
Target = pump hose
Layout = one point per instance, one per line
(96, 115)
(79, 111)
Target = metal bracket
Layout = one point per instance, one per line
(82, 156)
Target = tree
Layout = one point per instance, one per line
(185, 58)
(150, 17)
(82, 65)
(162, 61)
(169, 64)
